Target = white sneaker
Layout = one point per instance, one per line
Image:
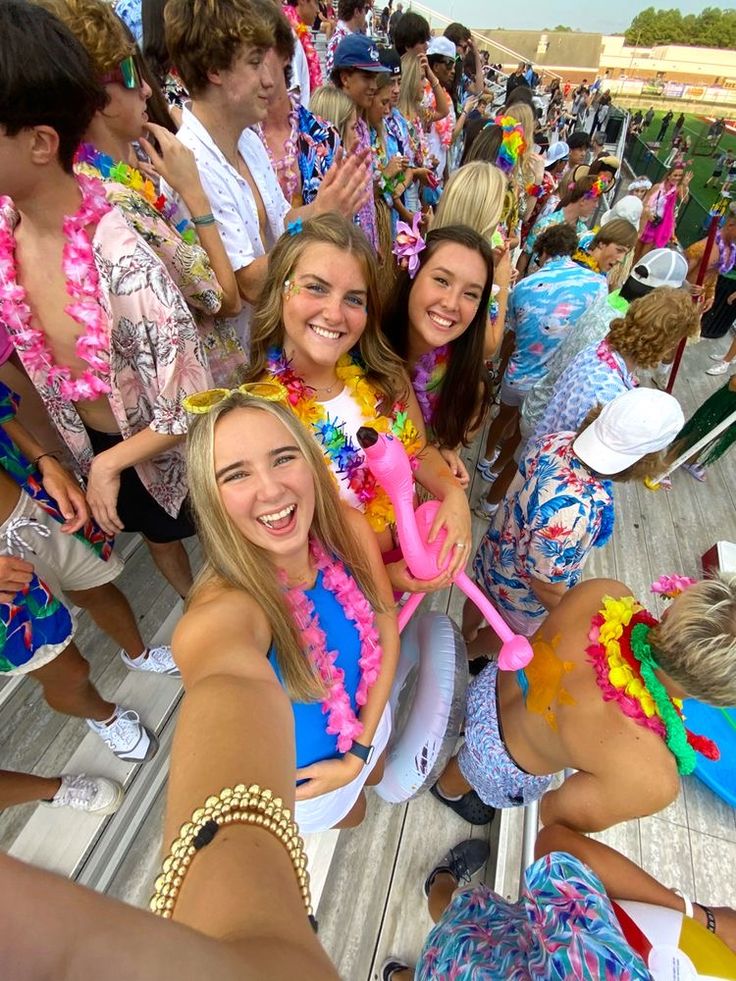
(159, 660)
(716, 357)
(485, 510)
(96, 795)
(127, 737)
(719, 369)
(485, 468)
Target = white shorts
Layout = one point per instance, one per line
(511, 395)
(62, 561)
(327, 810)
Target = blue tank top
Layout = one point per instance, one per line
(313, 743)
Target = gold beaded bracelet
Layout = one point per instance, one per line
(233, 805)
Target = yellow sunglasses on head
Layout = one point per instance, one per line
(202, 402)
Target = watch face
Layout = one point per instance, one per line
(369, 757)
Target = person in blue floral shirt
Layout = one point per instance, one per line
(542, 310)
(560, 506)
(648, 333)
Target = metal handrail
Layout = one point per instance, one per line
(481, 38)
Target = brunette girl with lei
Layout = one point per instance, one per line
(317, 332)
(437, 323)
(298, 575)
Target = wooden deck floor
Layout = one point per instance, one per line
(370, 879)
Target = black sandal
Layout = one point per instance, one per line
(469, 807)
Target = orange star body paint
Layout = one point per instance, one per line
(545, 674)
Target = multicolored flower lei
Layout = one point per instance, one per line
(513, 143)
(82, 285)
(304, 33)
(339, 449)
(103, 167)
(625, 671)
(426, 378)
(341, 719)
(597, 189)
(726, 255)
(286, 167)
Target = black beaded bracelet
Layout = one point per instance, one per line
(52, 453)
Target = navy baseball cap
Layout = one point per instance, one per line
(358, 51)
(390, 60)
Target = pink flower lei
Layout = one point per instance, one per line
(82, 285)
(341, 719)
(286, 167)
(726, 255)
(304, 34)
(426, 379)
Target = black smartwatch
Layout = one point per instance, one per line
(364, 753)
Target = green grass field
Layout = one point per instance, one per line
(702, 166)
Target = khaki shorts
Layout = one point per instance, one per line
(62, 561)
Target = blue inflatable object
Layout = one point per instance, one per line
(427, 706)
(718, 724)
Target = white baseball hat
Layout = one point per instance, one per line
(640, 421)
(441, 45)
(661, 267)
(558, 151)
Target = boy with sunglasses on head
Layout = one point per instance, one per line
(103, 333)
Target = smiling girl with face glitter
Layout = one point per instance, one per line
(317, 332)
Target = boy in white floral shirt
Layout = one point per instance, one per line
(103, 333)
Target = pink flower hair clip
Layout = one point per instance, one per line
(408, 244)
(672, 586)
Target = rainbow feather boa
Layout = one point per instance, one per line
(513, 143)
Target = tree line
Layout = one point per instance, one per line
(713, 28)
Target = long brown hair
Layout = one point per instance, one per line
(383, 368)
(233, 562)
(465, 390)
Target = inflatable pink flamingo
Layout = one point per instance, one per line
(389, 464)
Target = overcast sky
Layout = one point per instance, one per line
(609, 18)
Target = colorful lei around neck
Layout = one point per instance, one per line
(103, 167)
(625, 670)
(286, 167)
(726, 255)
(82, 285)
(427, 376)
(339, 449)
(341, 719)
(304, 34)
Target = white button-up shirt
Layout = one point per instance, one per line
(232, 201)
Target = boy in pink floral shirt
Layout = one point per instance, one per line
(99, 326)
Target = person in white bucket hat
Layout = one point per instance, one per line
(560, 506)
